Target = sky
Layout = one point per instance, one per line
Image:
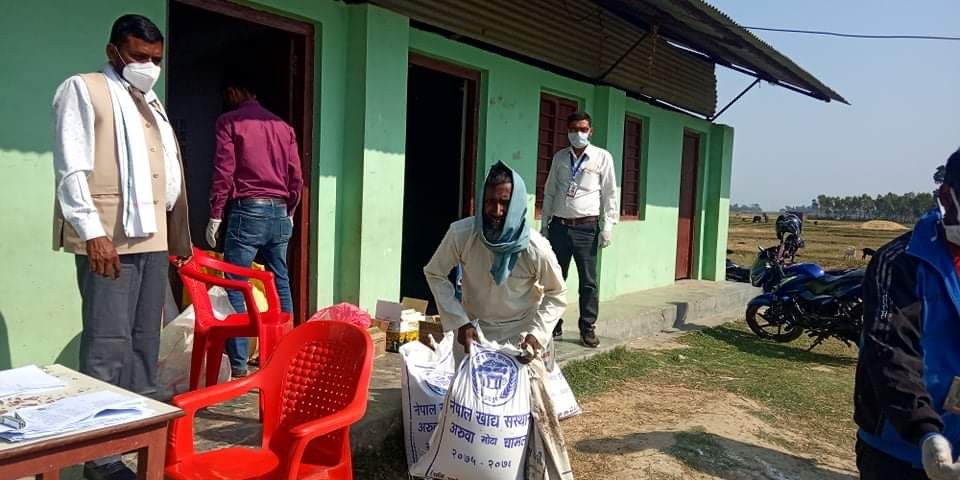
(904, 117)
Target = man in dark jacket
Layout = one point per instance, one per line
(910, 349)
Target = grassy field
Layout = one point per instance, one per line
(827, 242)
(797, 413)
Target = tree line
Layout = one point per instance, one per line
(906, 208)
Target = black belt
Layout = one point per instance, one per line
(276, 202)
(572, 222)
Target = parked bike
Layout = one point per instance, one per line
(736, 273)
(802, 297)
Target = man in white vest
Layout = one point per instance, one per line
(120, 208)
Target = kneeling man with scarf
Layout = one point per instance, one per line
(512, 285)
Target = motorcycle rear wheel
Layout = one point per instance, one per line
(763, 328)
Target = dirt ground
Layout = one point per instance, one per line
(646, 430)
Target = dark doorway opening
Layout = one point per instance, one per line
(686, 223)
(440, 163)
(206, 37)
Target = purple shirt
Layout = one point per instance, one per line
(257, 156)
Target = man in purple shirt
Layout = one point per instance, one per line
(257, 172)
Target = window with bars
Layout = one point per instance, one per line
(631, 168)
(552, 137)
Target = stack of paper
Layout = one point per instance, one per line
(82, 412)
(29, 379)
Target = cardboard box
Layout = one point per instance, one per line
(379, 338)
(401, 321)
(431, 326)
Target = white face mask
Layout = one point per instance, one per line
(579, 139)
(952, 232)
(143, 76)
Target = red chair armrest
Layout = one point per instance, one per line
(190, 402)
(265, 277)
(310, 431)
(180, 438)
(210, 262)
(322, 426)
(244, 287)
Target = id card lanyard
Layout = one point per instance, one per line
(574, 170)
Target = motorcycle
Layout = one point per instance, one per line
(736, 273)
(802, 297)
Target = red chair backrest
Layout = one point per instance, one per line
(319, 369)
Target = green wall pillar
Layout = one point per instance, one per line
(375, 132)
(716, 212)
(608, 119)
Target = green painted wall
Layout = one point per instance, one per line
(643, 251)
(372, 203)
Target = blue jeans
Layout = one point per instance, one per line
(257, 228)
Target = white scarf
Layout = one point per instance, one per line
(136, 190)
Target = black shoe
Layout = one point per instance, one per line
(110, 471)
(558, 330)
(238, 372)
(589, 339)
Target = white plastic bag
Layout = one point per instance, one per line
(425, 377)
(548, 458)
(483, 429)
(176, 349)
(564, 402)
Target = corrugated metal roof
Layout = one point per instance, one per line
(554, 33)
(696, 25)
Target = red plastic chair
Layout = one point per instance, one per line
(312, 389)
(209, 334)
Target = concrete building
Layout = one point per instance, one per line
(400, 105)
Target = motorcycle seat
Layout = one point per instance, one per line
(828, 282)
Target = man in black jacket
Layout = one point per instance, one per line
(910, 349)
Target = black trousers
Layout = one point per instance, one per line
(120, 342)
(580, 242)
(876, 465)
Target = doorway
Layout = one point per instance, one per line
(689, 171)
(205, 37)
(440, 168)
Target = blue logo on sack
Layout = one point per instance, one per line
(494, 377)
(437, 381)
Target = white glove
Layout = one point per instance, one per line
(605, 238)
(213, 226)
(938, 459)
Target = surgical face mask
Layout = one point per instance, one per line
(143, 76)
(951, 226)
(579, 139)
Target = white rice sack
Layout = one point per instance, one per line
(425, 377)
(485, 424)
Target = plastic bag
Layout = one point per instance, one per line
(425, 377)
(564, 402)
(176, 349)
(483, 429)
(548, 458)
(344, 312)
